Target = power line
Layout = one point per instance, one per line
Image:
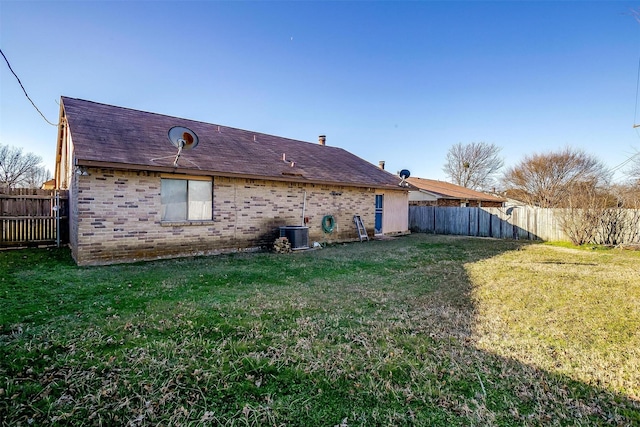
(24, 90)
(636, 16)
(625, 162)
(635, 113)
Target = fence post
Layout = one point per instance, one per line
(57, 212)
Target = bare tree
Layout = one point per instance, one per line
(622, 225)
(633, 172)
(618, 226)
(37, 177)
(18, 169)
(583, 211)
(627, 195)
(548, 180)
(591, 210)
(605, 216)
(473, 165)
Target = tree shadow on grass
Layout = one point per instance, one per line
(507, 385)
(433, 355)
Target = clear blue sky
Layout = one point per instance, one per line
(393, 81)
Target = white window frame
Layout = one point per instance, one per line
(195, 210)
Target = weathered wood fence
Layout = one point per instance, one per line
(33, 217)
(520, 222)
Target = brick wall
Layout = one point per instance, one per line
(73, 214)
(487, 204)
(116, 216)
(449, 202)
(456, 203)
(423, 203)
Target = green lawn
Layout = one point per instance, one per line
(418, 330)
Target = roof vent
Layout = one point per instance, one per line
(381, 164)
(322, 139)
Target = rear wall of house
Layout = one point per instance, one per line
(117, 216)
(395, 218)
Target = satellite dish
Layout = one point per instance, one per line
(404, 174)
(184, 139)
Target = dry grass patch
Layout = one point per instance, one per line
(567, 311)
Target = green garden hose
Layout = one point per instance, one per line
(328, 223)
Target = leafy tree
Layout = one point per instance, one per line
(473, 165)
(18, 169)
(554, 179)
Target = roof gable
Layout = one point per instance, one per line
(450, 191)
(116, 136)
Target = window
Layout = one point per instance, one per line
(186, 199)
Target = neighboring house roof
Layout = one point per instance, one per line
(110, 136)
(49, 185)
(447, 190)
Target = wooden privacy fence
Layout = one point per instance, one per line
(33, 217)
(522, 222)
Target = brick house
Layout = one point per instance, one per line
(129, 199)
(430, 192)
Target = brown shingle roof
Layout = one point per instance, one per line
(109, 135)
(450, 191)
